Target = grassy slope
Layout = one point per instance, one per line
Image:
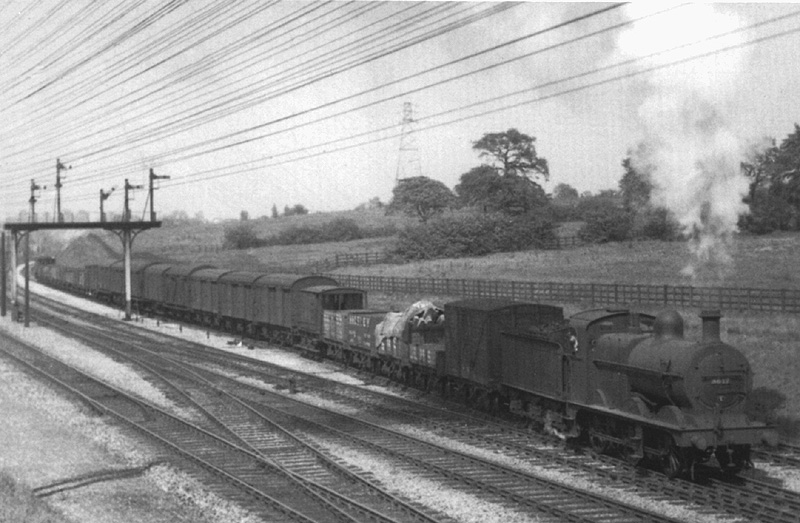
(756, 262)
(190, 234)
(192, 242)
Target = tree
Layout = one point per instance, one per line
(296, 210)
(478, 186)
(244, 216)
(505, 184)
(513, 153)
(274, 211)
(565, 194)
(484, 187)
(760, 158)
(784, 171)
(635, 187)
(421, 196)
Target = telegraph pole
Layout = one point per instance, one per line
(59, 167)
(153, 177)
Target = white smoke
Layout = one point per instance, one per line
(692, 154)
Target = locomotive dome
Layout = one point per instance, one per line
(668, 324)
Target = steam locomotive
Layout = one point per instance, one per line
(619, 380)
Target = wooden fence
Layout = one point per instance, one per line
(777, 300)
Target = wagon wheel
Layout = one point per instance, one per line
(598, 444)
(671, 463)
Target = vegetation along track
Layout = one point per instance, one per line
(479, 431)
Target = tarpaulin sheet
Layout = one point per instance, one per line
(400, 324)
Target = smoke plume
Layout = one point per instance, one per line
(692, 154)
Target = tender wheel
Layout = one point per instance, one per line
(598, 444)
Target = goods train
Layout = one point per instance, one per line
(618, 380)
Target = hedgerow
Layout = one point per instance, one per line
(462, 235)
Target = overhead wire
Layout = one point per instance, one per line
(166, 102)
(163, 157)
(196, 178)
(507, 107)
(224, 108)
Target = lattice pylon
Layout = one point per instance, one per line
(408, 162)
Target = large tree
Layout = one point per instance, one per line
(758, 163)
(421, 196)
(484, 187)
(774, 193)
(506, 183)
(784, 169)
(513, 153)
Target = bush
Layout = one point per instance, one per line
(606, 223)
(241, 236)
(763, 404)
(474, 235)
(657, 224)
(337, 230)
(768, 213)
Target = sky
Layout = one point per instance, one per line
(252, 104)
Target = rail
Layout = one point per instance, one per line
(728, 298)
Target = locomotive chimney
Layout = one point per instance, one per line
(711, 325)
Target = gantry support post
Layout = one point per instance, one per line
(14, 268)
(3, 276)
(27, 279)
(126, 247)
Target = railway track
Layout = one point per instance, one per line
(474, 431)
(785, 454)
(256, 483)
(568, 504)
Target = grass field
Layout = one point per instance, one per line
(768, 262)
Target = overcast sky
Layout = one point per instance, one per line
(251, 104)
